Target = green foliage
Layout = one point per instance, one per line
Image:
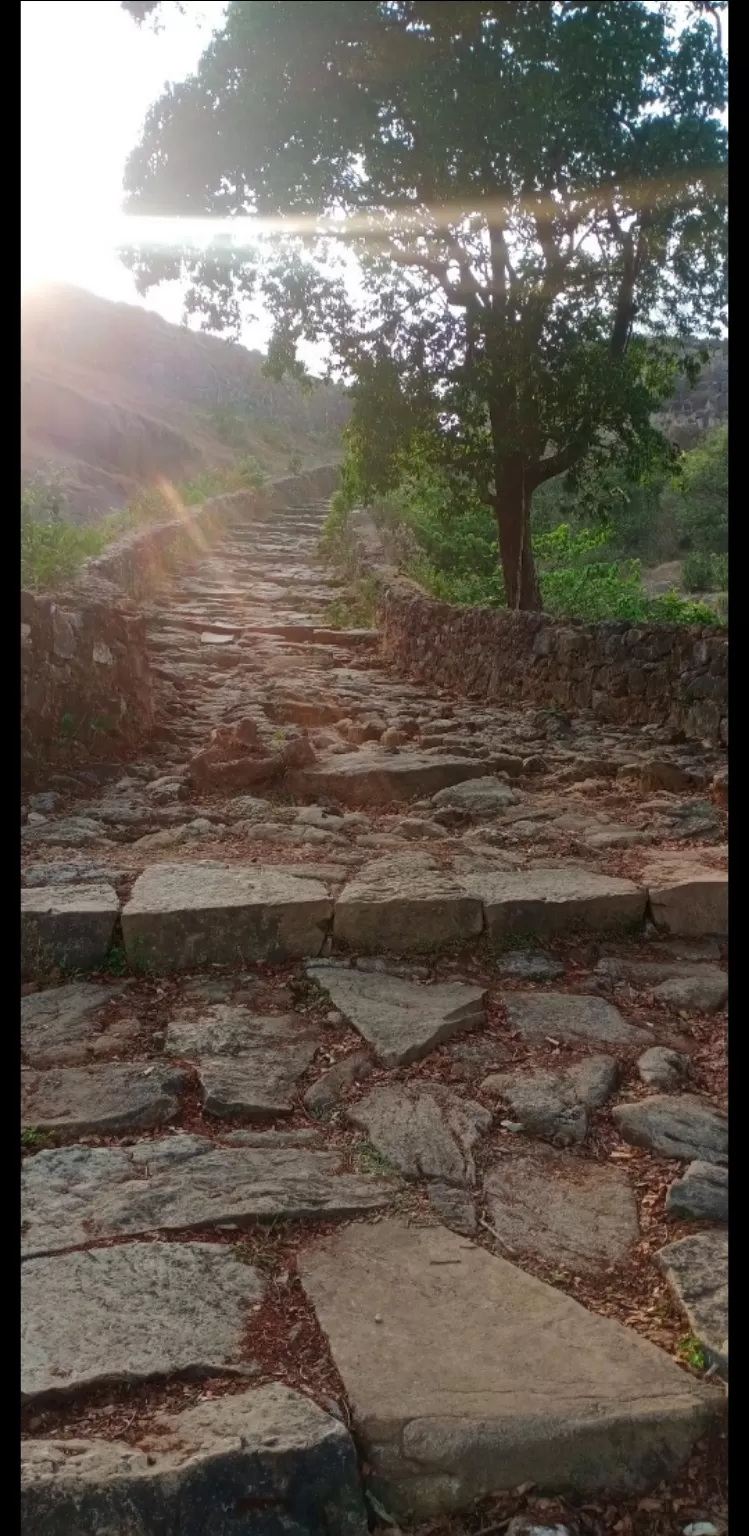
(691, 1352)
(699, 495)
(357, 608)
(53, 549)
(705, 573)
(534, 195)
(448, 545)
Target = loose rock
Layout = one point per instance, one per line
(681, 1125)
(663, 1068)
(697, 1271)
(701, 1194)
(426, 1134)
(556, 1104)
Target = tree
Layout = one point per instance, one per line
(534, 196)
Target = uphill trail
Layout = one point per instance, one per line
(373, 1097)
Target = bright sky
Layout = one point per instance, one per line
(88, 76)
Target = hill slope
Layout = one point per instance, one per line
(114, 397)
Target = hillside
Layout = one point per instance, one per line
(114, 397)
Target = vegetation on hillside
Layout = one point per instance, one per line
(535, 196)
(589, 544)
(53, 548)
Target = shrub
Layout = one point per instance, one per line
(703, 572)
(53, 549)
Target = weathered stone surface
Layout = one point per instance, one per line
(405, 903)
(131, 1313)
(111, 1097)
(466, 1375)
(579, 1214)
(377, 777)
(402, 1020)
(75, 1195)
(555, 1103)
(327, 1089)
(545, 901)
(661, 1067)
(454, 1207)
(268, 1450)
(569, 1016)
(700, 1194)
(679, 1125)
(58, 1026)
(67, 925)
(697, 1271)
(706, 993)
(529, 965)
(479, 798)
(425, 1134)
(247, 1064)
(80, 872)
(655, 973)
(181, 915)
(687, 898)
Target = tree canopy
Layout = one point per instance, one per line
(533, 194)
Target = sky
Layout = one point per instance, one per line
(88, 77)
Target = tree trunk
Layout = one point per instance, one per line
(513, 511)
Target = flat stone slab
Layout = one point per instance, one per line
(184, 915)
(675, 1125)
(467, 1376)
(570, 1016)
(578, 1214)
(402, 1020)
(696, 1269)
(700, 1195)
(247, 1064)
(687, 898)
(269, 1449)
(58, 1026)
(131, 1313)
(107, 1098)
(376, 777)
(405, 903)
(555, 1104)
(70, 925)
(481, 798)
(545, 901)
(424, 1133)
(73, 1195)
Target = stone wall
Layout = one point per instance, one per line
(671, 675)
(85, 673)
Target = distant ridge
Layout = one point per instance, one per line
(113, 397)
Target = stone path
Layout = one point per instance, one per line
(373, 1096)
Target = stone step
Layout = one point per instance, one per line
(185, 915)
(203, 912)
(218, 1466)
